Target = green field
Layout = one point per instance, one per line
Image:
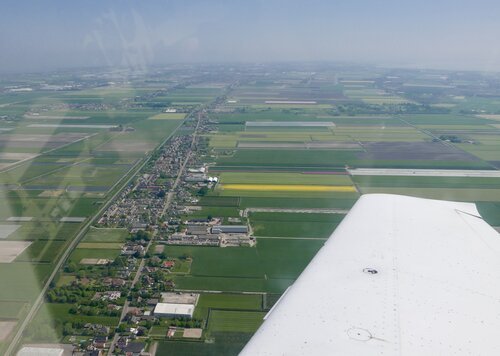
(296, 194)
(426, 182)
(82, 253)
(49, 321)
(45, 231)
(12, 309)
(25, 280)
(297, 202)
(168, 116)
(215, 211)
(284, 178)
(286, 158)
(100, 245)
(294, 224)
(261, 269)
(225, 344)
(219, 201)
(453, 194)
(22, 203)
(226, 301)
(105, 235)
(42, 251)
(234, 321)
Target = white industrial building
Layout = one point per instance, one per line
(174, 310)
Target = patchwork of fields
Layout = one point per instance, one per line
(288, 150)
(63, 155)
(288, 153)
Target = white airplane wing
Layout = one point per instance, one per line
(399, 276)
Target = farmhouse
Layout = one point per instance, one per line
(100, 341)
(168, 264)
(174, 310)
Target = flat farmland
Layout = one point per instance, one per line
(48, 324)
(68, 116)
(486, 147)
(297, 192)
(105, 235)
(284, 141)
(421, 164)
(297, 202)
(230, 301)
(42, 251)
(44, 230)
(10, 250)
(478, 104)
(373, 96)
(261, 269)
(25, 280)
(82, 253)
(258, 115)
(281, 184)
(404, 150)
(226, 301)
(284, 178)
(229, 284)
(300, 225)
(168, 116)
(236, 262)
(446, 119)
(189, 96)
(153, 131)
(42, 207)
(11, 309)
(287, 158)
(61, 153)
(219, 201)
(306, 115)
(146, 135)
(100, 245)
(291, 139)
(453, 194)
(381, 133)
(226, 344)
(234, 321)
(80, 175)
(291, 188)
(126, 147)
(286, 124)
(427, 182)
(218, 211)
(299, 145)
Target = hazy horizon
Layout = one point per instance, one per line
(49, 35)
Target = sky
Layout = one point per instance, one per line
(38, 35)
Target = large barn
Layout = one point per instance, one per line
(174, 310)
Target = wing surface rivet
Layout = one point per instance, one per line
(359, 334)
(370, 270)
